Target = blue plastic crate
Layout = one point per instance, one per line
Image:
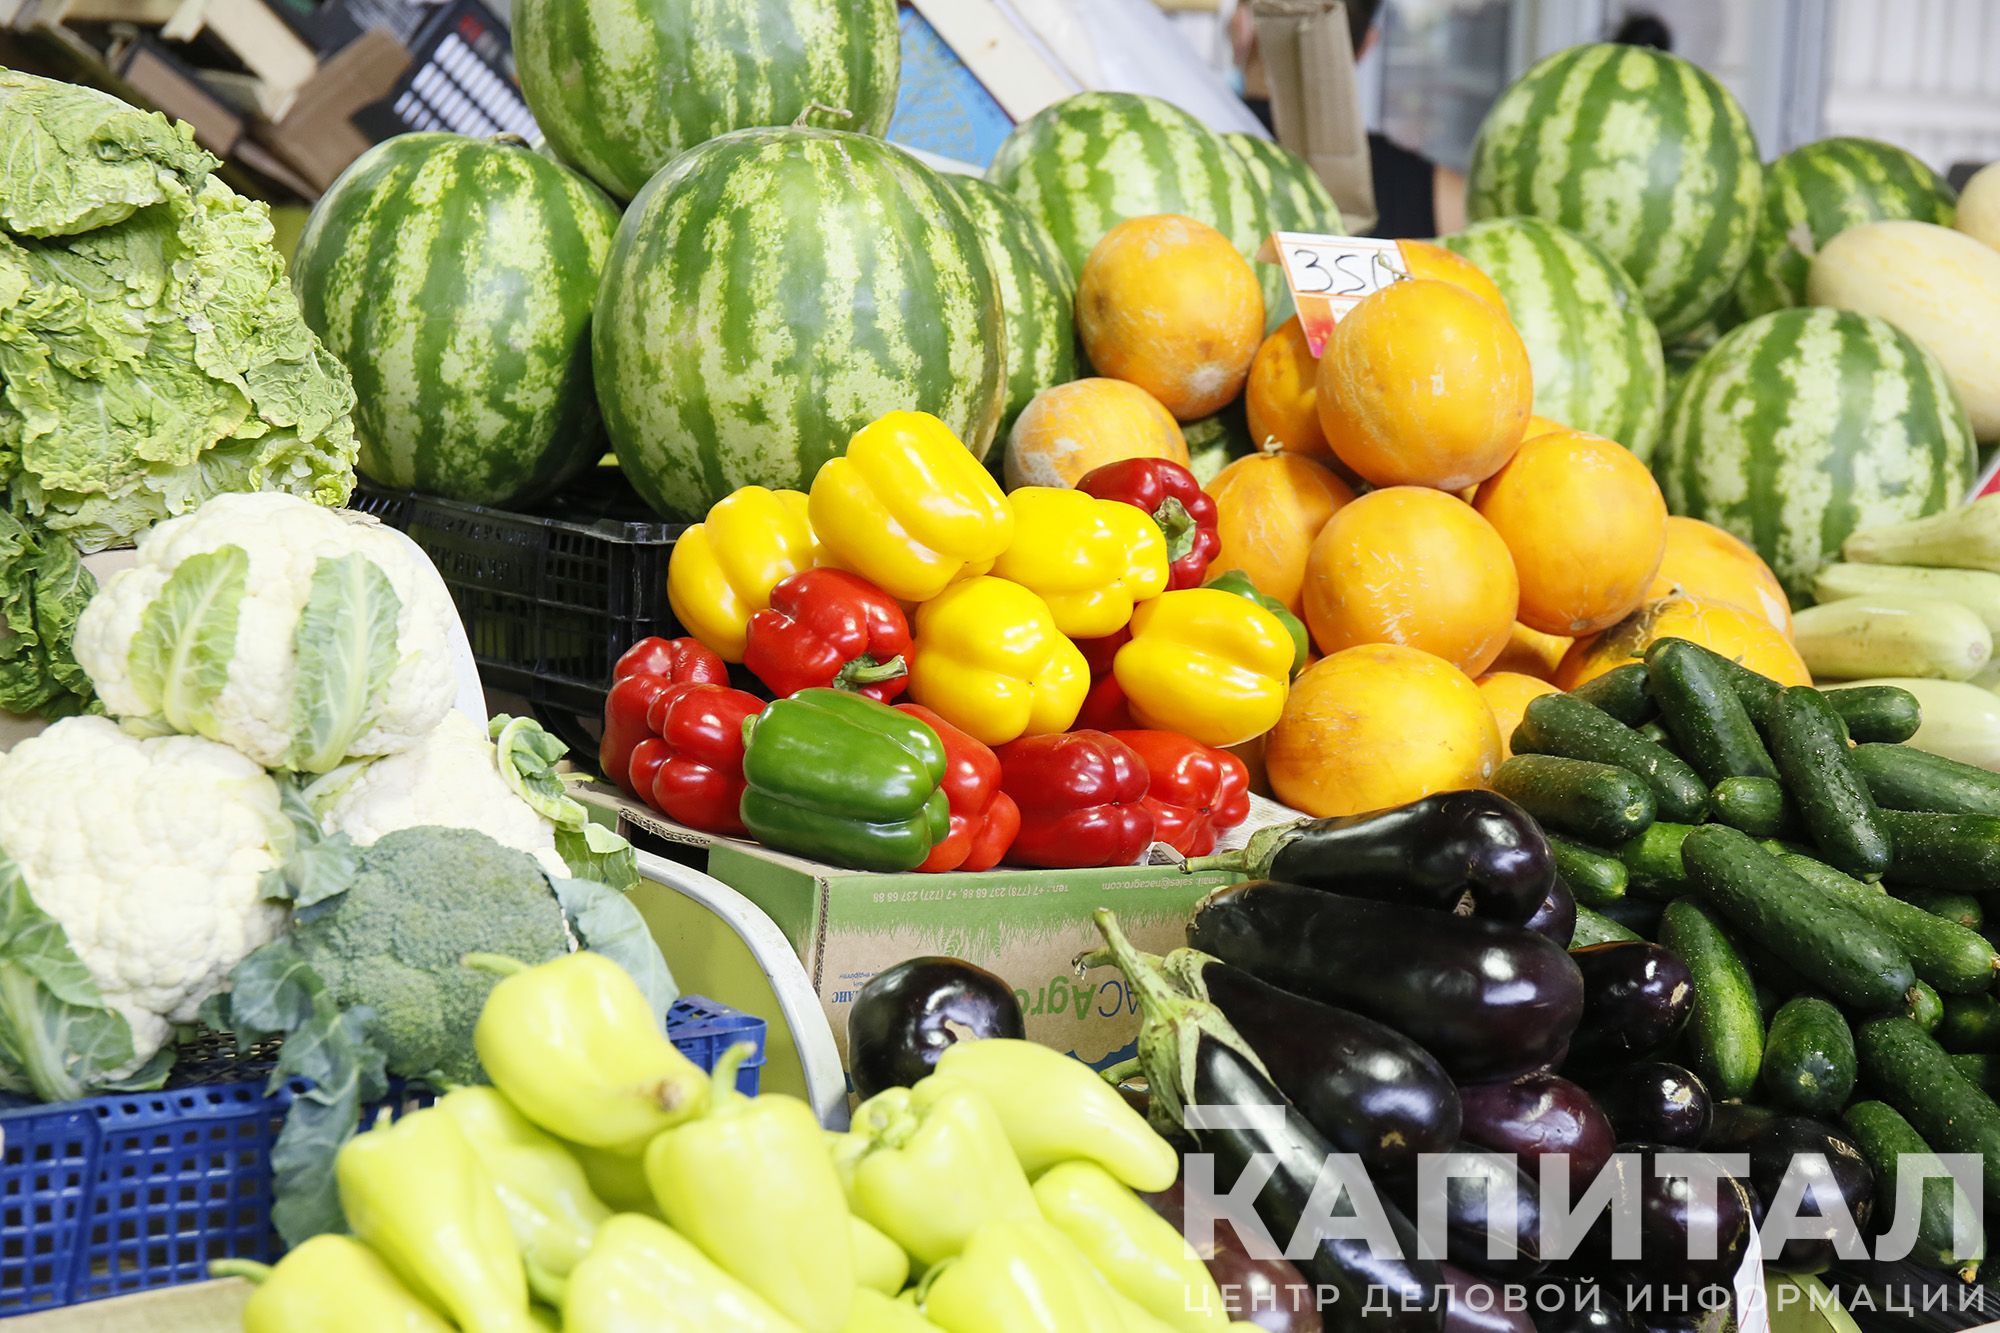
(113, 1195)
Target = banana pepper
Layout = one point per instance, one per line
(1091, 560)
(909, 508)
(330, 1284)
(931, 1175)
(990, 661)
(879, 1263)
(723, 569)
(644, 1277)
(876, 1313)
(1138, 1252)
(1207, 664)
(1020, 1276)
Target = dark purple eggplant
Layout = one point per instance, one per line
(1839, 1190)
(907, 1015)
(1488, 1000)
(1555, 919)
(1429, 853)
(1537, 1116)
(1673, 1211)
(1474, 1305)
(1578, 1307)
(1466, 1185)
(1267, 1293)
(1371, 1090)
(1636, 998)
(1654, 1102)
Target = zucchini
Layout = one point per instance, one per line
(1810, 744)
(1901, 777)
(1808, 1058)
(1596, 928)
(1725, 1033)
(1963, 908)
(1886, 1139)
(1594, 879)
(1880, 713)
(1594, 802)
(1978, 590)
(1926, 1007)
(1858, 637)
(1970, 1026)
(1562, 724)
(1620, 692)
(1755, 805)
(1944, 851)
(1653, 861)
(1949, 956)
(1853, 961)
(1711, 728)
(1913, 1074)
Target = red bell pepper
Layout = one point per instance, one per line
(984, 819)
(827, 627)
(1104, 708)
(676, 659)
(691, 767)
(1195, 791)
(1184, 511)
(644, 670)
(1082, 800)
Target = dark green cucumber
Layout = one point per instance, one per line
(1725, 1033)
(1945, 851)
(1947, 955)
(1855, 962)
(1653, 861)
(1913, 1074)
(1711, 728)
(1903, 778)
(1758, 693)
(1755, 805)
(1970, 1026)
(1593, 927)
(1982, 1071)
(1594, 879)
(1963, 908)
(1620, 692)
(1926, 1006)
(1808, 1058)
(1594, 802)
(1563, 724)
(1833, 803)
(1886, 1139)
(1877, 713)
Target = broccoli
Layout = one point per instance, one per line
(420, 900)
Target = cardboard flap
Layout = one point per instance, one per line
(1315, 103)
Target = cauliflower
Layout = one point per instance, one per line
(301, 636)
(148, 853)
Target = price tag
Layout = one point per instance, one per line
(1329, 275)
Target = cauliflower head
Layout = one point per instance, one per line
(148, 853)
(301, 636)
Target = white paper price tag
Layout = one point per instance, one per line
(1330, 275)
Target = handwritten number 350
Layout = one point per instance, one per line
(1350, 275)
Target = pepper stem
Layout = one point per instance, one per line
(722, 1078)
(499, 964)
(866, 670)
(248, 1269)
(1177, 525)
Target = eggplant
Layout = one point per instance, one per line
(1639, 915)
(1488, 1000)
(1266, 1293)
(907, 1015)
(1577, 1307)
(1537, 1116)
(1429, 853)
(1369, 1089)
(1637, 996)
(1672, 1211)
(1473, 1305)
(1555, 919)
(1654, 1102)
(1839, 1189)
(1466, 1185)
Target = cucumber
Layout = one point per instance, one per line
(1949, 956)
(1963, 908)
(1903, 778)
(1594, 927)
(1926, 1007)
(1620, 692)
(1725, 1033)
(1808, 1058)
(1755, 805)
(1855, 962)
(1944, 851)
(1982, 1071)
(1877, 713)
(1886, 1139)
(1563, 724)
(1759, 694)
(1594, 879)
(1594, 802)
(1711, 728)
(1653, 861)
(1810, 744)
(1913, 1074)
(1970, 1026)
(1859, 637)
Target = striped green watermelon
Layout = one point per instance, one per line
(1037, 293)
(1295, 199)
(1596, 356)
(1640, 151)
(455, 278)
(773, 291)
(1814, 193)
(1806, 424)
(619, 87)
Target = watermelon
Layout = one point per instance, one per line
(773, 291)
(1295, 199)
(1805, 425)
(1213, 443)
(455, 278)
(1037, 293)
(619, 87)
(1596, 357)
(1814, 193)
(1642, 152)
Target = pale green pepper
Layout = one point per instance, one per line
(1020, 1277)
(641, 1277)
(875, 1313)
(879, 1263)
(330, 1284)
(1140, 1253)
(932, 1176)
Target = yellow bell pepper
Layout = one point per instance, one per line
(989, 660)
(723, 568)
(1091, 560)
(1207, 664)
(909, 508)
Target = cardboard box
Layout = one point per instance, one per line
(317, 136)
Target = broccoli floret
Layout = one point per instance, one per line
(421, 899)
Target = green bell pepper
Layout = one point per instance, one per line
(1238, 582)
(840, 778)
